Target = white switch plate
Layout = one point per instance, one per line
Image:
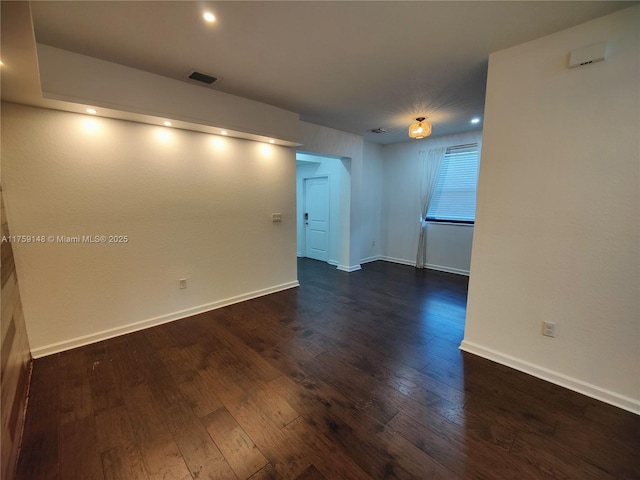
(183, 283)
(549, 329)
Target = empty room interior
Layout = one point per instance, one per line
(320, 240)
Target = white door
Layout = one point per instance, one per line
(316, 218)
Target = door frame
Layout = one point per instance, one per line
(343, 244)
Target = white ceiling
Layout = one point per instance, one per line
(350, 65)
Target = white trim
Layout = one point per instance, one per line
(588, 389)
(299, 255)
(371, 259)
(430, 266)
(151, 322)
(411, 263)
(440, 268)
(334, 263)
(349, 269)
(453, 224)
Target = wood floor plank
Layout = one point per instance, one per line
(202, 456)
(266, 473)
(553, 459)
(247, 356)
(120, 453)
(40, 443)
(350, 376)
(280, 448)
(76, 402)
(121, 463)
(366, 440)
(242, 454)
(274, 406)
(161, 455)
(268, 345)
(334, 462)
(198, 393)
(199, 452)
(106, 391)
(460, 449)
(608, 452)
(311, 473)
(368, 395)
(113, 428)
(78, 454)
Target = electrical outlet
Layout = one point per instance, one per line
(373, 243)
(276, 217)
(548, 329)
(183, 283)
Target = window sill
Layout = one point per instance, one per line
(454, 224)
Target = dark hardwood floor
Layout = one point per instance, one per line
(350, 376)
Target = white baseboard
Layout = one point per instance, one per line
(371, 259)
(401, 261)
(607, 396)
(430, 266)
(152, 322)
(344, 268)
(349, 269)
(440, 268)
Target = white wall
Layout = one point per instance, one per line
(448, 246)
(76, 78)
(339, 187)
(193, 206)
(557, 232)
(328, 141)
(371, 203)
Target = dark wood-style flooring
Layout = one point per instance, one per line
(350, 376)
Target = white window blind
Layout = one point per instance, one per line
(455, 197)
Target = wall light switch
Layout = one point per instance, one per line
(549, 329)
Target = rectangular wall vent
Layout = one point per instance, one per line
(202, 77)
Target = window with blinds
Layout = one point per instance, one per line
(455, 197)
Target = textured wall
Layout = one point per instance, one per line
(371, 202)
(16, 357)
(192, 205)
(557, 233)
(448, 246)
(338, 179)
(69, 76)
(328, 141)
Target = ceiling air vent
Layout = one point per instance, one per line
(378, 130)
(202, 77)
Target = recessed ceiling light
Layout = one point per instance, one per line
(271, 140)
(91, 111)
(167, 124)
(223, 132)
(475, 120)
(209, 17)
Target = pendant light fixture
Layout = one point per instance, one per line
(420, 129)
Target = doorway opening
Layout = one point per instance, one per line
(323, 192)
